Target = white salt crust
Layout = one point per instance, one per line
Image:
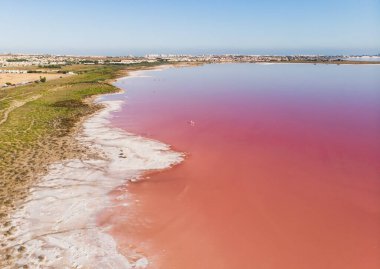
(57, 222)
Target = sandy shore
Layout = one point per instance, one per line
(56, 225)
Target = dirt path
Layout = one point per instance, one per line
(16, 104)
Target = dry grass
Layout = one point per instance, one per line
(29, 77)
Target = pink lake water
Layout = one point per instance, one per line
(282, 167)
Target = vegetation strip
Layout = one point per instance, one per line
(38, 126)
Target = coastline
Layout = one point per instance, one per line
(58, 218)
(101, 143)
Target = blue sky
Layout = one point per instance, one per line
(122, 27)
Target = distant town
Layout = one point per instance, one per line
(14, 60)
(50, 66)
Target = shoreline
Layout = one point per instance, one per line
(58, 217)
(51, 188)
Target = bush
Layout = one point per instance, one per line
(43, 79)
(50, 66)
(34, 71)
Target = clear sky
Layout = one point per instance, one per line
(122, 27)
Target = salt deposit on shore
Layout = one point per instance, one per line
(57, 224)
